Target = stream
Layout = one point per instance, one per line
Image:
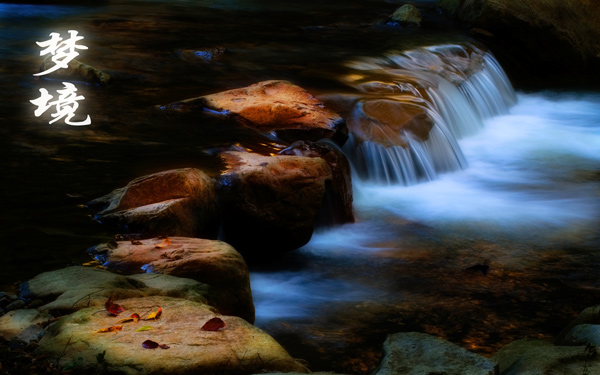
(484, 234)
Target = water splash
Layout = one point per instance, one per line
(455, 87)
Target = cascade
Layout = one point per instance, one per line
(412, 107)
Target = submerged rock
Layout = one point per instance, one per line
(238, 348)
(538, 357)
(337, 205)
(279, 106)
(269, 203)
(214, 263)
(179, 202)
(415, 353)
(77, 71)
(407, 15)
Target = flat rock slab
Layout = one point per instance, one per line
(421, 354)
(14, 322)
(278, 106)
(238, 348)
(178, 202)
(73, 288)
(214, 263)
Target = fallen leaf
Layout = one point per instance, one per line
(166, 242)
(110, 329)
(214, 324)
(149, 344)
(113, 308)
(154, 315)
(136, 242)
(132, 318)
(143, 328)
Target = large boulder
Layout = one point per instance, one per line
(237, 348)
(407, 15)
(539, 357)
(540, 39)
(279, 106)
(179, 202)
(269, 203)
(583, 330)
(415, 353)
(337, 206)
(214, 263)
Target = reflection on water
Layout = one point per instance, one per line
(526, 207)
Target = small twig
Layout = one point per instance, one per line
(64, 351)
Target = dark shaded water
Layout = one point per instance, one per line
(527, 206)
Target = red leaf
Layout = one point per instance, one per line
(113, 308)
(214, 324)
(149, 344)
(135, 317)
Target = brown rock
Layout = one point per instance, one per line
(337, 205)
(210, 262)
(387, 121)
(278, 106)
(269, 204)
(179, 202)
(238, 348)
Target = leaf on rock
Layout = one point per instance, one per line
(143, 328)
(166, 242)
(214, 324)
(132, 318)
(110, 329)
(136, 242)
(113, 308)
(154, 315)
(149, 344)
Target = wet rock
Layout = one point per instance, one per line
(387, 122)
(76, 71)
(179, 202)
(201, 55)
(407, 15)
(74, 288)
(270, 203)
(337, 205)
(525, 35)
(214, 263)
(538, 357)
(590, 315)
(279, 106)
(6, 299)
(238, 348)
(14, 322)
(15, 305)
(25, 337)
(421, 354)
(582, 335)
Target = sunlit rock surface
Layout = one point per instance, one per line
(337, 205)
(179, 202)
(211, 262)
(539, 357)
(279, 106)
(238, 348)
(73, 288)
(76, 71)
(269, 203)
(415, 353)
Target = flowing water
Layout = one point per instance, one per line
(484, 233)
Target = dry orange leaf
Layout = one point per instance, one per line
(166, 242)
(154, 315)
(132, 318)
(110, 329)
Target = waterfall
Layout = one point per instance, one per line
(414, 105)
